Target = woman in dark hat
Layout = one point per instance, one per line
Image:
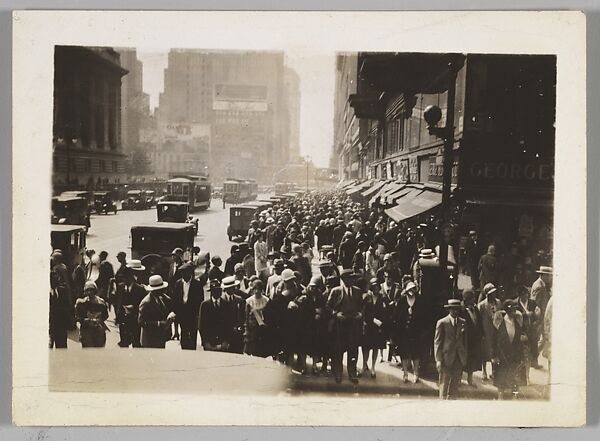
(409, 326)
(472, 317)
(376, 316)
(509, 360)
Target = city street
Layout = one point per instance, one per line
(111, 233)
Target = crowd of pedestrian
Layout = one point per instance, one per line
(317, 278)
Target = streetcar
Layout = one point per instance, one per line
(239, 190)
(195, 190)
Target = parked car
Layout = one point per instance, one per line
(104, 203)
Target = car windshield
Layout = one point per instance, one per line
(175, 212)
(157, 241)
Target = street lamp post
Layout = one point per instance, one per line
(307, 159)
(433, 115)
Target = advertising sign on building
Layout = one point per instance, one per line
(436, 169)
(413, 169)
(403, 170)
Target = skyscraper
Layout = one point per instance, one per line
(242, 96)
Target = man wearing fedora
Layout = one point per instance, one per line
(345, 304)
(128, 296)
(215, 320)
(230, 286)
(156, 314)
(450, 349)
(188, 294)
(540, 290)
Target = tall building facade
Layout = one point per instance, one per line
(135, 104)
(504, 136)
(292, 95)
(86, 139)
(242, 96)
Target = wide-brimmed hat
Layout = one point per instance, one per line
(238, 267)
(177, 251)
(287, 274)
(156, 282)
(230, 282)
(278, 263)
(188, 266)
(545, 270)
(90, 285)
(410, 286)
(270, 220)
(346, 273)
(426, 253)
(489, 288)
(324, 264)
(373, 281)
(135, 265)
(453, 303)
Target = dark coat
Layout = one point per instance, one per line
(347, 250)
(216, 323)
(474, 338)
(127, 302)
(188, 313)
(61, 309)
(347, 328)
(152, 318)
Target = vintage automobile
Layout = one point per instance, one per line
(87, 195)
(104, 203)
(240, 217)
(149, 198)
(71, 240)
(70, 211)
(153, 244)
(175, 211)
(134, 200)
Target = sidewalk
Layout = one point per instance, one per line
(389, 381)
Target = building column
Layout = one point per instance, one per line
(105, 115)
(92, 111)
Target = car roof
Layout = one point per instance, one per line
(172, 203)
(163, 226)
(66, 228)
(244, 206)
(132, 191)
(184, 180)
(101, 193)
(67, 198)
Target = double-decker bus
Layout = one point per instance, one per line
(239, 190)
(195, 190)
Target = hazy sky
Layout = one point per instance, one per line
(317, 77)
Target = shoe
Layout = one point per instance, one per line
(354, 380)
(406, 378)
(373, 375)
(415, 379)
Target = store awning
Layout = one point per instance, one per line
(390, 189)
(345, 184)
(382, 190)
(358, 187)
(393, 196)
(374, 188)
(414, 203)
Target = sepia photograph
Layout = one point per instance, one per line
(263, 223)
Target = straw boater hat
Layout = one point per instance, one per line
(545, 270)
(489, 288)
(156, 282)
(426, 253)
(410, 286)
(230, 282)
(90, 285)
(135, 265)
(453, 303)
(177, 251)
(287, 274)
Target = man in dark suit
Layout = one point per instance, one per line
(61, 313)
(174, 276)
(128, 296)
(156, 314)
(473, 251)
(188, 294)
(216, 323)
(237, 305)
(450, 348)
(345, 305)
